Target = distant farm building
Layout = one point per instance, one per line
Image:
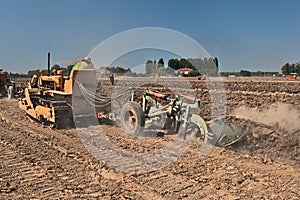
(184, 71)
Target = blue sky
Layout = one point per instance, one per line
(243, 34)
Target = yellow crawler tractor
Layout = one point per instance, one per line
(48, 98)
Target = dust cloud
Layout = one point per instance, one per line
(280, 114)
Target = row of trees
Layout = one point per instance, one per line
(158, 68)
(117, 70)
(209, 66)
(288, 68)
(199, 66)
(66, 70)
(153, 67)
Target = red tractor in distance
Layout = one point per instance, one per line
(7, 87)
(292, 76)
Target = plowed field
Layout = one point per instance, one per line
(37, 162)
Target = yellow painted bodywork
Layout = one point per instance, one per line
(57, 87)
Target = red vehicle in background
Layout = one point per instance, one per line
(7, 87)
(292, 76)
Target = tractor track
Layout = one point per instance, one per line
(52, 161)
(70, 176)
(16, 172)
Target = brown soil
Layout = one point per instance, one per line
(37, 162)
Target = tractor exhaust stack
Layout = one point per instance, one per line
(48, 63)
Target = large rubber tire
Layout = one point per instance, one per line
(132, 118)
(10, 92)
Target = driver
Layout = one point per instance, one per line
(85, 63)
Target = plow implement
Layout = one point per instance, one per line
(158, 114)
(182, 118)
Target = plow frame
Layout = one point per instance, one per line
(178, 112)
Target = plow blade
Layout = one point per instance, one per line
(225, 135)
